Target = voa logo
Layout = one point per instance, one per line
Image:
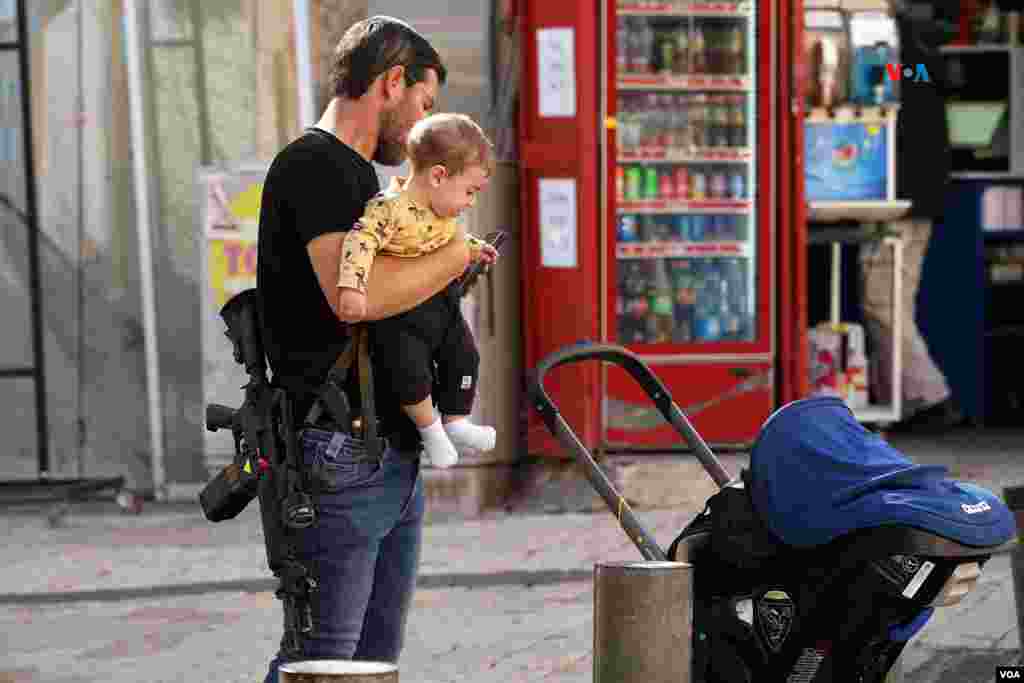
(917, 73)
(981, 506)
(1006, 674)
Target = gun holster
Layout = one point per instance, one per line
(333, 401)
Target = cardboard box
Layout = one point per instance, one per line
(850, 155)
(838, 363)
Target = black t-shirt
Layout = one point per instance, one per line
(316, 185)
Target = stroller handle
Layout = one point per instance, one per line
(659, 394)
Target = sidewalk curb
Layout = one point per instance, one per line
(527, 578)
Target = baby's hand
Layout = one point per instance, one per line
(351, 305)
(487, 254)
(396, 184)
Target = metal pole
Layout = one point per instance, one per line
(35, 286)
(300, 14)
(143, 216)
(202, 102)
(643, 622)
(1014, 497)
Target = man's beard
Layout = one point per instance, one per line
(390, 149)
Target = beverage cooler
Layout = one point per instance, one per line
(666, 159)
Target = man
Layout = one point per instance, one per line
(364, 549)
(922, 174)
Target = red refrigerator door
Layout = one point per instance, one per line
(689, 280)
(560, 171)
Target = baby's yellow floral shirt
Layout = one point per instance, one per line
(394, 224)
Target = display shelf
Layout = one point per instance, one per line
(702, 155)
(1003, 235)
(660, 206)
(651, 250)
(671, 82)
(862, 211)
(710, 10)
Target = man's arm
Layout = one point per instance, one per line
(396, 284)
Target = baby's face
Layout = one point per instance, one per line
(454, 194)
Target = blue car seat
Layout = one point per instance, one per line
(817, 474)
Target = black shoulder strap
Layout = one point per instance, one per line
(334, 399)
(374, 444)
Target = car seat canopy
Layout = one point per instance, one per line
(817, 474)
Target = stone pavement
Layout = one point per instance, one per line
(166, 596)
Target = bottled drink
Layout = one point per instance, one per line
(698, 184)
(628, 231)
(738, 114)
(719, 188)
(666, 52)
(651, 127)
(737, 51)
(643, 46)
(681, 227)
(738, 185)
(650, 190)
(634, 182)
(707, 324)
(622, 47)
(698, 227)
(633, 290)
(660, 304)
(682, 65)
(698, 57)
(698, 121)
(666, 184)
(723, 122)
(682, 183)
(684, 298)
(620, 183)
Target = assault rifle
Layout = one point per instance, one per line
(267, 464)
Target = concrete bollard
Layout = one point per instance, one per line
(337, 671)
(643, 622)
(1014, 497)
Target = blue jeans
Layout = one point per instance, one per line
(364, 551)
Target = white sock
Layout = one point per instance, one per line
(438, 446)
(468, 435)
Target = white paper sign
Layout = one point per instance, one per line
(558, 222)
(556, 69)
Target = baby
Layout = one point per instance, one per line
(451, 161)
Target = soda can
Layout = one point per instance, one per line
(698, 188)
(682, 183)
(628, 230)
(681, 227)
(666, 185)
(650, 189)
(634, 181)
(698, 227)
(719, 185)
(738, 186)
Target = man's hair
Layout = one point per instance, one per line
(454, 141)
(372, 46)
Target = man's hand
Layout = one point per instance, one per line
(351, 305)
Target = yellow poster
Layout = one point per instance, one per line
(232, 222)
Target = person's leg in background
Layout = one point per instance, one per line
(926, 395)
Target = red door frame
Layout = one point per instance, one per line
(561, 306)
